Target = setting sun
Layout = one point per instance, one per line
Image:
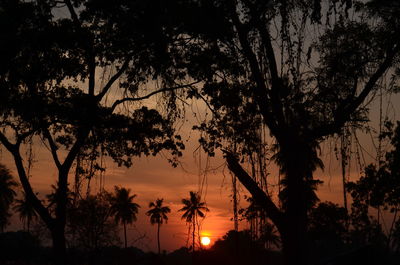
(205, 241)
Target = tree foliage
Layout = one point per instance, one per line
(73, 75)
(297, 70)
(7, 193)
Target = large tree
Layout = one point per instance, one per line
(72, 77)
(296, 70)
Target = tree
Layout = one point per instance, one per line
(72, 75)
(300, 69)
(123, 208)
(192, 209)
(26, 211)
(158, 214)
(327, 229)
(7, 194)
(269, 236)
(379, 189)
(91, 222)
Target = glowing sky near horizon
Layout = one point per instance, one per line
(153, 177)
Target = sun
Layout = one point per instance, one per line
(205, 241)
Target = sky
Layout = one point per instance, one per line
(153, 177)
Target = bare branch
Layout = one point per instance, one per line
(72, 11)
(113, 79)
(261, 90)
(53, 148)
(37, 204)
(120, 101)
(343, 112)
(73, 152)
(258, 194)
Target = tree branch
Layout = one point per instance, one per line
(53, 148)
(71, 10)
(344, 111)
(112, 80)
(258, 194)
(261, 95)
(275, 80)
(120, 101)
(73, 152)
(37, 204)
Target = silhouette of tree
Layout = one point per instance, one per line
(300, 69)
(158, 214)
(91, 223)
(269, 236)
(74, 80)
(379, 189)
(26, 211)
(7, 194)
(123, 208)
(192, 209)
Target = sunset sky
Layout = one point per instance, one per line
(153, 177)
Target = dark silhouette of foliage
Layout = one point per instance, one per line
(301, 70)
(379, 189)
(90, 223)
(158, 214)
(26, 211)
(72, 74)
(7, 194)
(123, 208)
(20, 248)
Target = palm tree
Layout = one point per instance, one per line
(26, 211)
(7, 194)
(123, 208)
(193, 207)
(158, 214)
(270, 236)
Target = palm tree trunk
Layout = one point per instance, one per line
(194, 231)
(158, 238)
(125, 234)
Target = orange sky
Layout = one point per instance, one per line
(152, 177)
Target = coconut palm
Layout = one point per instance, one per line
(269, 236)
(123, 208)
(193, 207)
(158, 214)
(7, 194)
(26, 211)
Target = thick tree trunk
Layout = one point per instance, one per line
(292, 224)
(294, 238)
(59, 246)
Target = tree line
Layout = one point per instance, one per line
(75, 75)
(93, 220)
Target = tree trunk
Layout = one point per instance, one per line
(125, 234)
(59, 246)
(158, 238)
(193, 232)
(292, 224)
